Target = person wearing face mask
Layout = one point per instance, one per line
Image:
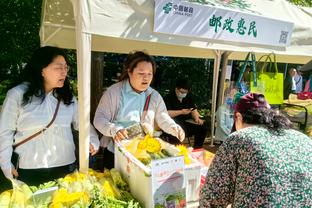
(182, 109)
(290, 83)
(122, 105)
(263, 163)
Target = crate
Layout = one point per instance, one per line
(168, 182)
(201, 156)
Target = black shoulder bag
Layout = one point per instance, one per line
(15, 156)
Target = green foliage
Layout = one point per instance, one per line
(238, 4)
(4, 85)
(113, 67)
(307, 3)
(242, 4)
(19, 29)
(197, 71)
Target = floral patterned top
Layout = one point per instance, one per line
(256, 168)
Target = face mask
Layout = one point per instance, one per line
(181, 95)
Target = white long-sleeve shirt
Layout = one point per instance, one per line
(54, 147)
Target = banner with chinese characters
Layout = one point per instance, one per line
(203, 21)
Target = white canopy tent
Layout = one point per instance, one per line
(306, 67)
(125, 25)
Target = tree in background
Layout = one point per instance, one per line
(198, 71)
(19, 29)
(306, 3)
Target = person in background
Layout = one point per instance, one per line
(264, 163)
(183, 110)
(290, 83)
(28, 108)
(308, 85)
(299, 82)
(122, 105)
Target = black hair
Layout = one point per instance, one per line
(270, 118)
(182, 83)
(132, 61)
(40, 59)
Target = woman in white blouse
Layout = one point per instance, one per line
(28, 108)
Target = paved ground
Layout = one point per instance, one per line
(210, 148)
(207, 144)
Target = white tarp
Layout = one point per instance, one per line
(195, 20)
(122, 26)
(125, 25)
(307, 67)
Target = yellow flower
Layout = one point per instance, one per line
(182, 149)
(150, 144)
(142, 145)
(77, 176)
(184, 152)
(62, 198)
(97, 174)
(108, 189)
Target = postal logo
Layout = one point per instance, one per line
(178, 9)
(167, 8)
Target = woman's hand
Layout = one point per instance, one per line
(180, 133)
(120, 135)
(14, 172)
(196, 117)
(199, 121)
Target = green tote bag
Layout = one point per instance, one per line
(269, 81)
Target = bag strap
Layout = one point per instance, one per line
(299, 80)
(41, 131)
(251, 57)
(265, 62)
(269, 59)
(146, 105)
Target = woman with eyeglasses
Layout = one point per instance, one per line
(27, 109)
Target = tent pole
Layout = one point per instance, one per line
(83, 45)
(216, 66)
(285, 70)
(42, 29)
(225, 57)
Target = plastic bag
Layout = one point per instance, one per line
(21, 196)
(304, 95)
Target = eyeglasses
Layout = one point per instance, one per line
(59, 67)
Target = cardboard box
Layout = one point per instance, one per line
(192, 181)
(166, 183)
(205, 158)
(161, 185)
